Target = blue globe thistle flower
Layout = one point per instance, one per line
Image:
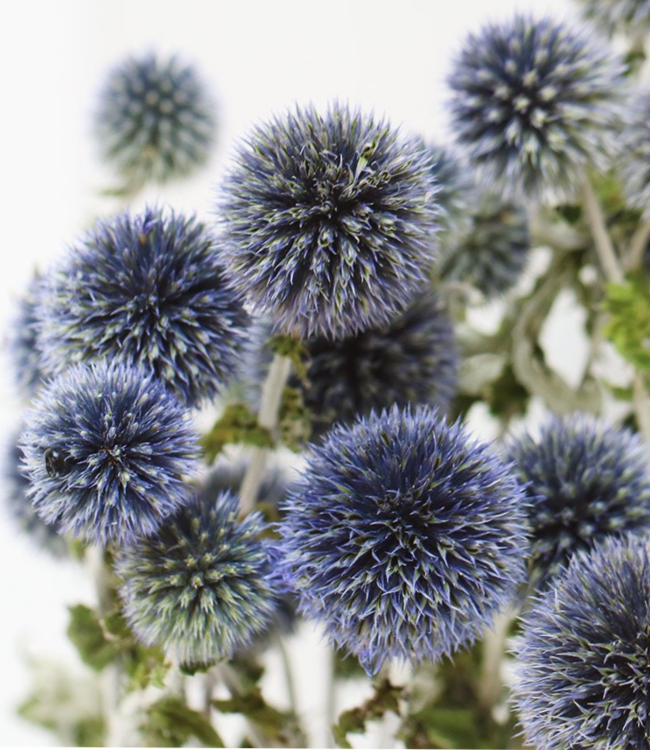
(535, 104)
(22, 340)
(148, 290)
(491, 252)
(43, 535)
(584, 652)
(618, 15)
(155, 119)
(200, 585)
(411, 359)
(404, 536)
(106, 450)
(635, 153)
(329, 221)
(585, 480)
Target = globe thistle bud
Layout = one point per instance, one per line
(585, 480)
(618, 15)
(329, 221)
(535, 104)
(106, 449)
(43, 535)
(635, 154)
(200, 585)
(584, 652)
(155, 119)
(148, 290)
(404, 536)
(492, 250)
(22, 340)
(411, 359)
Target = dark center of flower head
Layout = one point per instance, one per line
(57, 462)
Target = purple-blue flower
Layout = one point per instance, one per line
(404, 536)
(107, 449)
(584, 654)
(535, 104)
(155, 119)
(201, 585)
(328, 220)
(22, 340)
(585, 480)
(630, 16)
(147, 290)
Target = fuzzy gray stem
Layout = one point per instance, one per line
(231, 680)
(603, 244)
(490, 687)
(268, 418)
(638, 246)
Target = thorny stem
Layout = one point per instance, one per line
(614, 273)
(268, 418)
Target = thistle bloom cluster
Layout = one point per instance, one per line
(328, 221)
(585, 480)
(456, 189)
(147, 290)
(584, 652)
(404, 536)
(491, 251)
(107, 449)
(535, 104)
(618, 15)
(23, 340)
(201, 585)
(635, 153)
(155, 119)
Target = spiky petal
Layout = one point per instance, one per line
(148, 290)
(200, 586)
(535, 103)
(329, 221)
(404, 536)
(584, 652)
(155, 119)
(586, 480)
(107, 449)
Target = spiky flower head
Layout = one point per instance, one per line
(491, 251)
(201, 584)
(404, 536)
(618, 15)
(16, 488)
(585, 480)
(107, 448)
(635, 152)
(148, 290)
(411, 359)
(584, 652)
(22, 340)
(155, 119)
(535, 104)
(329, 220)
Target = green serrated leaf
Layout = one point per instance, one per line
(296, 351)
(196, 668)
(294, 420)
(570, 213)
(628, 326)
(171, 723)
(385, 698)
(86, 633)
(237, 425)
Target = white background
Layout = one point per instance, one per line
(260, 57)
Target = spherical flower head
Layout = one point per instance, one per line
(404, 536)
(107, 449)
(618, 15)
(491, 251)
(535, 103)
(43, 535)
(584, 652)
(411, 359)
(329, 221)
(200, 586)
(635, 153)
(22, 340)
(155, 119)
(585, 480)
(148, 290)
